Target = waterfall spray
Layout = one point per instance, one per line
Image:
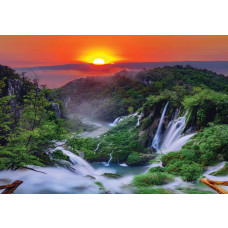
(173, 139)
(158, 135)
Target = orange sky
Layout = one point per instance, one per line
(25, 51)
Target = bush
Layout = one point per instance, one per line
(58, 154)
(156, 169)
(150, 179)
(189, 171)
(136, 159)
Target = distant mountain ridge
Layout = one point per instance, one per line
(220, 67)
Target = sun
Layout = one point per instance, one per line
(98, 61)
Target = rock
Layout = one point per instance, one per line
(112, 175)
(91, 177)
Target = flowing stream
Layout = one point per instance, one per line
(80, 179)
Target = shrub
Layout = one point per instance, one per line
(150, 179)
(156, 169)
(58, 154)
(136, 159)
(189, 171)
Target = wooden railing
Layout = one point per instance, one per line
(215, 185)
(10, 188)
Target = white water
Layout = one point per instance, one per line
(109, 159)
(173, 139)
(81, 166)
(138, 120)
(114, 123)
(62, 180)
(158, 135)
(98, 145)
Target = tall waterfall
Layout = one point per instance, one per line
(173, 139)
(158, 135)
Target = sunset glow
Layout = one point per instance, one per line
(98, 62)
(69, 57)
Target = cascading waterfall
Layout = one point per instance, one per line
(158, 135)
(138, 120)
(98, 145)
(81, 166)
(109, 159)
(173, 139)
(115, 122)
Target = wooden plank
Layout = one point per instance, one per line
(6, 186)
(215, 187)
(219, 182)
(12, 187)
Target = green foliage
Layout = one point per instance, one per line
(87, 145)
(208, 106)
(115, 95)
(111, 175)
(189, 171)
(156, 169)
(28, 126)
(150, 179)
(194, 191)
(147, 190)
(101, 187)
(130, 110)
(58, 154)
(136, 159)
(207, 148)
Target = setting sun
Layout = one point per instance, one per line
(98, 62)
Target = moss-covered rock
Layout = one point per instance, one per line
(136, 159)
(112, 175)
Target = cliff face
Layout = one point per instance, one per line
(18, 86)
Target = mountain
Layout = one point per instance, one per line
(107, 98)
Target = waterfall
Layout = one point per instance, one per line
(79, 164)
(109, 159)
(115, 122)
(173, 139)
(138, 121)
(98, 145)
(158, 135)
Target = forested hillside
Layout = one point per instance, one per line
(172, 119)
(124, 93)
(29, 121)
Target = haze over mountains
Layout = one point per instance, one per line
(57, 75)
